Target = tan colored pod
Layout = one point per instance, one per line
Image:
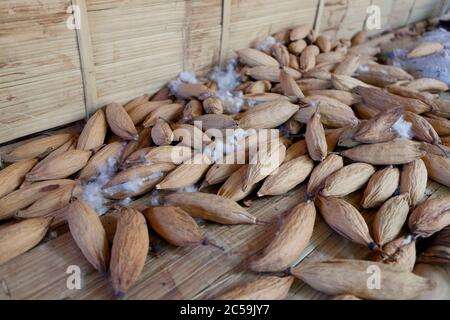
(264, 162)
(379, 128)
(60, 166)
(322, 171)
(345, 219)
(192, 90)
(400, 252)
(136, 180)
(186, 174)
(390, 219)
(170, 154)
(169, 112)
(348, 179)
(264, 288)
(319, 74)
(120, 122)
(438, 168)
(271, 74)
(136, 102)
(210, 207)
(48, 204)
(440, 125)
(254, 58)
(106, 156)
(144, 140)
(428, 84)
(330, 57)
(257, 87)
(381, 186)
(219, 173)
(365, 112)
(93, 135)
(335, 277)
(348, 66)
(425, 49)
(69, 145)
(281, 54)
(20, 237)
(88, 232)
(330, 116)
(214, 121)
(347, 83)
(299, 32)
(359, 38)
(36, 148)
(232, 188)
(25, 196)
(307, 60)
(315, 138)
(411, 93)
(422, 130)
(430, 217)
(296, 150)
(395, 152)
(297, 47)
(190, 136)
(287, 177)
(175, 225)
(140, 112)
(292, 127)
(162, 133)
(213, 105)
(289, 86)
(309, 84)
(193, 109)
(324, 43)
(345, 97)
(382, 75)
(413, 181)
(289, 242)
(13, 175)
(129, 250)
(268, 115)
(384, 101)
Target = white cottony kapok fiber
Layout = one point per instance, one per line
(266, 44)
(403, 128)
(227, 81)
(185, 76)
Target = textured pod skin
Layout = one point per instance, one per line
(109, 153)
(322, 171)
(264, 288)
(381, 186)
(315, 138)
(289, 242)
(438, 168)
(89, 234)
(413, 181)
(336, 277)
(139, 113)
(345, 220)
(232, 188)
(129, 250)
(390, 219)
(430, 217)
(254, 58)
(175, 225)
(120, 122)
(94, 132)
(268, 115)
(348, 179)
(19, 237)
(13, 175)
(400, 252)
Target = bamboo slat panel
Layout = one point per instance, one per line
(179, 273)
(40, 79)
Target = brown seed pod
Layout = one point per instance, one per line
(348, 66)
(175, 225)
(170, 154)
(120, 122)
(324, 43)
(214, 121)
(290, 241)
(348, 179)
(144, 140)
(381, 186)
(425, 49)
(162, 133)
(413, 181)
(193, 109)
(210, 207)
(254, 58)
(379, 128)
(292, 127)
(307, 60)
(398, 151)
(219, 173)
(13, 175)
(25, 196)
(390, 219)
(359, 38)
(264, 288)
(192, 90)
(345, 219)
(438, 168)
(93, 135)
(136, 102)
(268, 115)
(441, 125)
(296, 150)
(190, 136)
(140, 112)
(332, 116)
(213, 105)
(337, 277)
(430, 216)
(281, 54)
(314, 84)
(347, 83)
(347, 98)
(422, 129)
(60, 166)
(297, 47)
(36, 148)
(169, 112)
(411, 93)
(129, 250)
(400, 252)
(382, 75)
(89, 234)
(330, 57)
(106, 156)
(299, 32)
(20, 237)
(289, 86)
(257, 87)
(288, 176)
(315, 138)
(322, 171)
(232, 188)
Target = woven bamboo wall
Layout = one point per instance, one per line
(51, 75)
